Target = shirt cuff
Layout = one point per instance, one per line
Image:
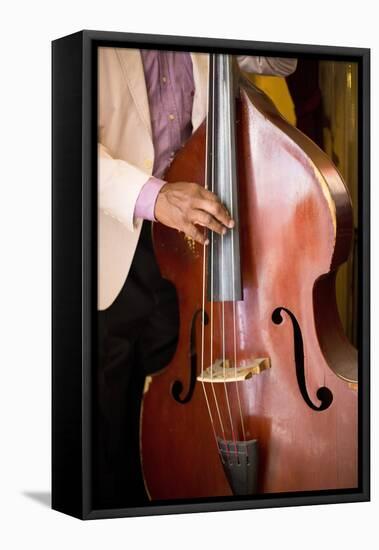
(145, 204)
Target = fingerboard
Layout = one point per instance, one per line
(224, 269)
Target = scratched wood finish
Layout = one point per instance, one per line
(295, 230)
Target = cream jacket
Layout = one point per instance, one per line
(126, 153)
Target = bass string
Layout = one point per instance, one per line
(211, 346)
(227, 124)
(202, 351)
(212, 254)
(203, 303)
(223, 350)
(219, 415)
(229, 133)
(212, 291)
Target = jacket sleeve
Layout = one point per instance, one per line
(116, 197)
(277, 66)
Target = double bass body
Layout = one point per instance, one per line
(295, 229)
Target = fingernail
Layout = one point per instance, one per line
(206, 242)
(231, 224)
(223, 230)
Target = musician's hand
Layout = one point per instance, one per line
(184, 206)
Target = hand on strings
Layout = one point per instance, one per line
(184, 206)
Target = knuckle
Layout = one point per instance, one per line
(196, 189)
(219, 209)
(211, 196)
(196, 235)
(207, 219)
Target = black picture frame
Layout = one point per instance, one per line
(74, 269)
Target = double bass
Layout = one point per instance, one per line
(261, 394)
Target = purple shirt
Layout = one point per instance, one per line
(170, 90)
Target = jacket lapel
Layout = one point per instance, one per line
(131, 63)
(200, 64)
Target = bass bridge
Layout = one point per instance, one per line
(222, 372)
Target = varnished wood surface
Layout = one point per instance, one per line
(295, 227)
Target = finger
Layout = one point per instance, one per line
(196, 234)
(217, 210)
(208, 195)
(207, 220)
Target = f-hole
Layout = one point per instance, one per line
(323, 394)
(177, 387)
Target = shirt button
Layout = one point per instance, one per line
(171, 117)
(164, 79)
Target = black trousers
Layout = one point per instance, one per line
(137, 336)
